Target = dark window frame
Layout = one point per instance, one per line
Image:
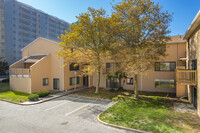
(158, 68)
(130, 83)
(78, 80)
(73, 68)
(165, 80)
(45, 81)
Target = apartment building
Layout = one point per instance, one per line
(161, 78)
(23, 24)
(2, 34)
(193, 62)
(40, 69)
(40, 66)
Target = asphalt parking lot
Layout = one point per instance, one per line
(66, 114)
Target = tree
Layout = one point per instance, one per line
(3, 67)
(143, 29)
(91, 38)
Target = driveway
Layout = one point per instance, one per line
(66, 114)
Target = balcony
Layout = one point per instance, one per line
(20, 72)
(186, 77)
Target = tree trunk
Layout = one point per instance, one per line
(98, 81)
(136, 86)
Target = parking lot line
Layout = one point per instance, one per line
(77, 109)
(80, 108)
(59, 105)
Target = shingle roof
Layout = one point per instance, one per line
(33, 58)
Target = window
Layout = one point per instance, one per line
(72, 50)
(45, 81)
(112, 83)
(108, 65)
(129, 81)
(163, 83)
(74, 67)
(112, 67)
(194, 65)
(74, 80)
(165, 66)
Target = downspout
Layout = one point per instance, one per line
(188, 92)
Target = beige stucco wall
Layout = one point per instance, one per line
(194, 53)
(22, 84)
(181, 90)
(40, 70)
(68, 74)
(52, 65)
(174, 52)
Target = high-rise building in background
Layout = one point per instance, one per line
(23, 24)
(2, 34)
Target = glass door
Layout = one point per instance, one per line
(56, 85)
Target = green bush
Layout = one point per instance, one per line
(43, 93)
(5, 80)
(33, 97)
(120, 89)
(112, 90)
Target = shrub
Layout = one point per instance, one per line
(33, 97)
(112, 90)
(120, 89)
(43, 93)
(5, 80)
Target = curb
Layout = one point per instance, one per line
(119, 127)
(66, 93)
(10, 102)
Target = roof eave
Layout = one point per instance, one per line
(195, 23)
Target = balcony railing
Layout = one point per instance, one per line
(186, 77)
(20, 72)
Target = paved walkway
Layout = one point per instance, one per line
(51, 96)
(184, 107)
(66, 114)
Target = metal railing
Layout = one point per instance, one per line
(186, 77)
(20, 72)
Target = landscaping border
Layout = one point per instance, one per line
(45, 100)
(120, 127)
(117, 126)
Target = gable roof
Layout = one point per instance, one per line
(33, 58)
(54, 41)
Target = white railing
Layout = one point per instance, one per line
(20, 72)
(186, 77)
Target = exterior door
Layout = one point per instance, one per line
(85, 80)
(195, 97)
(56, 84)
(113, 83)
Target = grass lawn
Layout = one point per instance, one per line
(13, 96)
(150, 113)
(103, 94)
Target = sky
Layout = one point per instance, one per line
(183, 11)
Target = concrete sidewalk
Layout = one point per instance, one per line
(51, 96)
